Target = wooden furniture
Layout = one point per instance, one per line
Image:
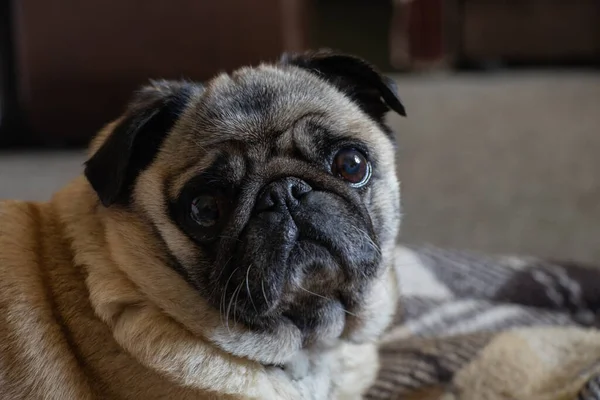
(442, 33)
(78, 61)
(8, 106)
(418, 34)
(531, 31)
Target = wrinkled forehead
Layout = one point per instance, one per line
(265, 111)
(254, 103)
(259, 103)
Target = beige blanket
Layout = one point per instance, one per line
(476, 327)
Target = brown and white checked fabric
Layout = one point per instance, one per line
(478, 327)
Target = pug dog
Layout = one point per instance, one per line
(227, 240)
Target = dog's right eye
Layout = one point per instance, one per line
(205, 210)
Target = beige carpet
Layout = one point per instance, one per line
(503, 163)
(500, 163)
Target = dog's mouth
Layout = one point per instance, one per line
(318, 296)
(310, 280)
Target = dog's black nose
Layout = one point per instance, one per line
(285, 192)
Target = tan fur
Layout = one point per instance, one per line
(76, 326)
(91, 311)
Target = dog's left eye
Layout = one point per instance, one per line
(352, 166)
(205, 211)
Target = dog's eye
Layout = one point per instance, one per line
(351, 165)
(205, 211)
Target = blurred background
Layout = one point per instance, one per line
(501, 149)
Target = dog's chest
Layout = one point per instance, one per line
(343, 373)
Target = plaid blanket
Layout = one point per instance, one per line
(478, 327)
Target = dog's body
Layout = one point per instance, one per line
(278, 289)
(53, 345)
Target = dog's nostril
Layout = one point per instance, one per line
(265, 202)
(299, 189)
(286, 191)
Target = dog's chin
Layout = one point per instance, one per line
(317, 298)
(318, 305)
(320, 324)
(317, 323)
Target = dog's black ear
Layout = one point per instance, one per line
(375, 94)
(133, 143)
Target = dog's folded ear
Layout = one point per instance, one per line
(135, 139)
(375, 93)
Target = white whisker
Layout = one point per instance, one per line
(222, 302)
(262, 286)
(248, 288)
(326, 298)
(229, 306)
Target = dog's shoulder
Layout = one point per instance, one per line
(33, 352)
(20, 260)
(20, 223)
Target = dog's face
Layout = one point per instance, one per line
(272, 190)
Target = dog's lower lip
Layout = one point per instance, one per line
(319, 303)
(288, 317)
(328, 258)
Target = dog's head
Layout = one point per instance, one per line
(272, 190)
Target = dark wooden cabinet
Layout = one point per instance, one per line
(450, 33)
(8, 106)
(78, 61)
(531, 31)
